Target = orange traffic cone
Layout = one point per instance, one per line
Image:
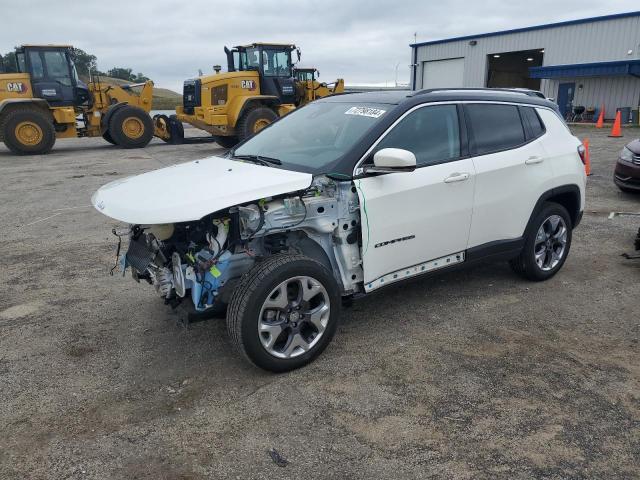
(616, 131)
(587, 157)
(600, 121)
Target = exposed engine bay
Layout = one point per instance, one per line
(203, 259)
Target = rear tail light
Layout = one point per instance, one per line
(583, 154)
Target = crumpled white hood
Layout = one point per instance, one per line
(189, 191)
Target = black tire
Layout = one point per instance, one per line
(37, 123)
(525, 264)
(108, 138)
(226, 142)
(176, 128)
(138, 136)
(249, 121)
(243, 313)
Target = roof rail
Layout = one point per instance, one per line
(466, 89)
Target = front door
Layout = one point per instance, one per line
(565, 97)
(421, 216)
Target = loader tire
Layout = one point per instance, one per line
(28, 131)
(254, 120)
(131, 127)
(226, 142)
(108, 138)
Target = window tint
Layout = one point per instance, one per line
(532, 123)
(276, 63)
(57, 67)
(37, 70)
(495, 127)
(431, 133)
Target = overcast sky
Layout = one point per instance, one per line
(360, 41)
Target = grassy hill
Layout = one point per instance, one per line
(163, 98)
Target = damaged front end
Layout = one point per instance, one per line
(201, 260)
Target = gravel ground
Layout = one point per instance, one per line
(471, 374)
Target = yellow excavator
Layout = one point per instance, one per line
(260, 85)
(46, 100)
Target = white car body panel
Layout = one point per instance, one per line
(562, 153)
(507, 189)
(189, 191)
(419, 204)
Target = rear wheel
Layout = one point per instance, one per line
(131, 127)
(255, 120)
(108, 138)
(28, 131)
(225, 142)
(547, 244)
(284, 312)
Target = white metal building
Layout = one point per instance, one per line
(588, 62)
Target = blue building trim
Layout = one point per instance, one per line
(597, 69)
(529, 29)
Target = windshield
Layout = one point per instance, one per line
(311, 139)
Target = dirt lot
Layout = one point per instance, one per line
(474, 374)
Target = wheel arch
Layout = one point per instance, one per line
(566, 195)
(19, 102)
(247, 103)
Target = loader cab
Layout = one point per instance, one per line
(53, 74)
(272, 62)
(305, 74)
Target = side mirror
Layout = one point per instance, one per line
(389, 160)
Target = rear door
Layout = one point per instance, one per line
(422, 216)
(511, 170)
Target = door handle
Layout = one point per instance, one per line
(457, 177)
(534, 160)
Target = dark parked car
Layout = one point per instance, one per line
(627, 173)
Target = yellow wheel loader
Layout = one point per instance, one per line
(46, 100)
(258, 87)
(309, 88)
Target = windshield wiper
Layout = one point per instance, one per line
(259, 158)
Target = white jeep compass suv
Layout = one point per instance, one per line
(345, 196)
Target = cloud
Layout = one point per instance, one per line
(361, 42)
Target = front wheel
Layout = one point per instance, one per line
(108, 138)
(131, 127)
(284, 312)
(255, 120)
(547, 244)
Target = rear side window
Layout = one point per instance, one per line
(532, 124)
(431, 133)
(495, 127)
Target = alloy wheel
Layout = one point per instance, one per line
(551, 243)
(293, 317)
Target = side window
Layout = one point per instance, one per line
(431, 133)
(532, 123)
(37, 70)
(495, 127)
(57, 67)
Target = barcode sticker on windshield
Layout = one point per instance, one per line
(365, 112)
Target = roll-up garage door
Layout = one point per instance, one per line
(443, 73)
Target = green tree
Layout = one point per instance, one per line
(8, 62)
(85, 62)
(122, 73)
(141, 77)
